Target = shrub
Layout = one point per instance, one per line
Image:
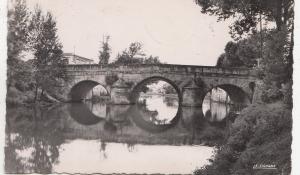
(260, 135)
(111, 79)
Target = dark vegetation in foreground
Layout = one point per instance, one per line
(261, 135)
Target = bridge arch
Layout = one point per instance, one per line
(216, 109)
(237, 94)
(83, 115)
(79, 91)
(136, 89)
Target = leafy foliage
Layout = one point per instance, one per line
(17, 20)
(19, 74)
(135, 55)
(262, 132)
(47, 50)
(104, 53)
(230, 58)
(16, 41)
(35, 33)
(261, 135)
(246, 13)
(111, 79)
(276, 65)
(151, 60)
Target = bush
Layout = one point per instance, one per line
(111, 79)
(14, 97)
(260, 135)
(271, 93)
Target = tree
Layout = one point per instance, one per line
(244, 52)
(262, 132)
(17, 36)
(104, 53)
(135, 55)
(47, 50)
(276, 66)
(249, 50)
(247, 13)
(135, 50)
(230, 58)
(152, 60)
(19, 73)
(18, 19)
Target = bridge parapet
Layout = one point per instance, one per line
(161, 68)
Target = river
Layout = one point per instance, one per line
(153, 136)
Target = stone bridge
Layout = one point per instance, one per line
(192, 83)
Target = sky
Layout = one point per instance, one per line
(174, 30)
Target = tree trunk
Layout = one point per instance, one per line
(42, 94)
(290, 57)
(278, 15)
(36, 94)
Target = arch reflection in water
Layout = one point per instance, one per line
(157, 101)
(192, 118)
(218, 103)
(83, 114)
(88, 90)
(215, 111)
(99, 109)
(145, 120)
(113, 115)
(158, 109)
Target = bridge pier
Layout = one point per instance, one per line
(120, 93)
(190, 116)
(192, 95)
(256, 97)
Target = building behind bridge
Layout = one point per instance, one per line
(76, 59)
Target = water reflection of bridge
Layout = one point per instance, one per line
(44, 132)
(130, 124)
(121, 125)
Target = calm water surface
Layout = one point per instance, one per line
(153, 136)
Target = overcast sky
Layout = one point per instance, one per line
(174, 30)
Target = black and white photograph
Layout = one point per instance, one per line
(198, 87)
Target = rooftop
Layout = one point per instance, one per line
(77, 56)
